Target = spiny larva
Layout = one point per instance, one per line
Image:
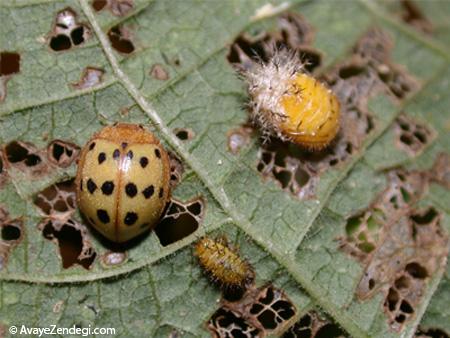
(223, 263)
(123, 181)
(290, 104)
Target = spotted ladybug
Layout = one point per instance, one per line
(123, 181)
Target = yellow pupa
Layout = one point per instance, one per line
(292, 105)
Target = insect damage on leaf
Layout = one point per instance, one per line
(411, 13)
(62, 153)
(57, 200)
(24, 157)
(116, 7)
(314, 325)
(239, 138)
(158, 72)
(90, 77)
(293, 32)
(180, 220)
(260, 312)
(72, 240)
(9, 66)
(440, 173)
(430, 333)
(176, 170)
(184, 134)
(67, 32)
(401, 246)
(9, 63)
(412, 137)
(11, 234)
(120, 39)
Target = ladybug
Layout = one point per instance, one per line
(123, 181)
(290, 104)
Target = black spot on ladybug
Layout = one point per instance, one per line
(130, 154)
(161, 192)
(157, 153)
(130, 218)
(131, 189)
(108, 187)
(91, 146)
(148, 192)
(143, 161)
(103, 216)
(91, 186)
(124, 145)
(116, 154)
(101, 158)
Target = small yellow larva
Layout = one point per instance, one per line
(223, 263)
(291, 105)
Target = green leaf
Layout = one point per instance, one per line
(294, 243)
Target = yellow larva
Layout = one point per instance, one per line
(223, 263)
(291, 105)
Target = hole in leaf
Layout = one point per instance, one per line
(73, 247)
(400, 318)
(402, 282)
(431, 333)
(62, 153)
(67, 31)
(227, 323)
(176, 170)
(9, 63)
(311, 59)
(120, 40)
(60, 42)
(77, 35)
(405, 307)
(16, 152)
(426, 217)
(416, 270)
(392, 299)
(57, 200)
(98, 5)
(267, 319)
(184, 134)
(351, 70)
(11, 232)
(330, 331)
(179, 221)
